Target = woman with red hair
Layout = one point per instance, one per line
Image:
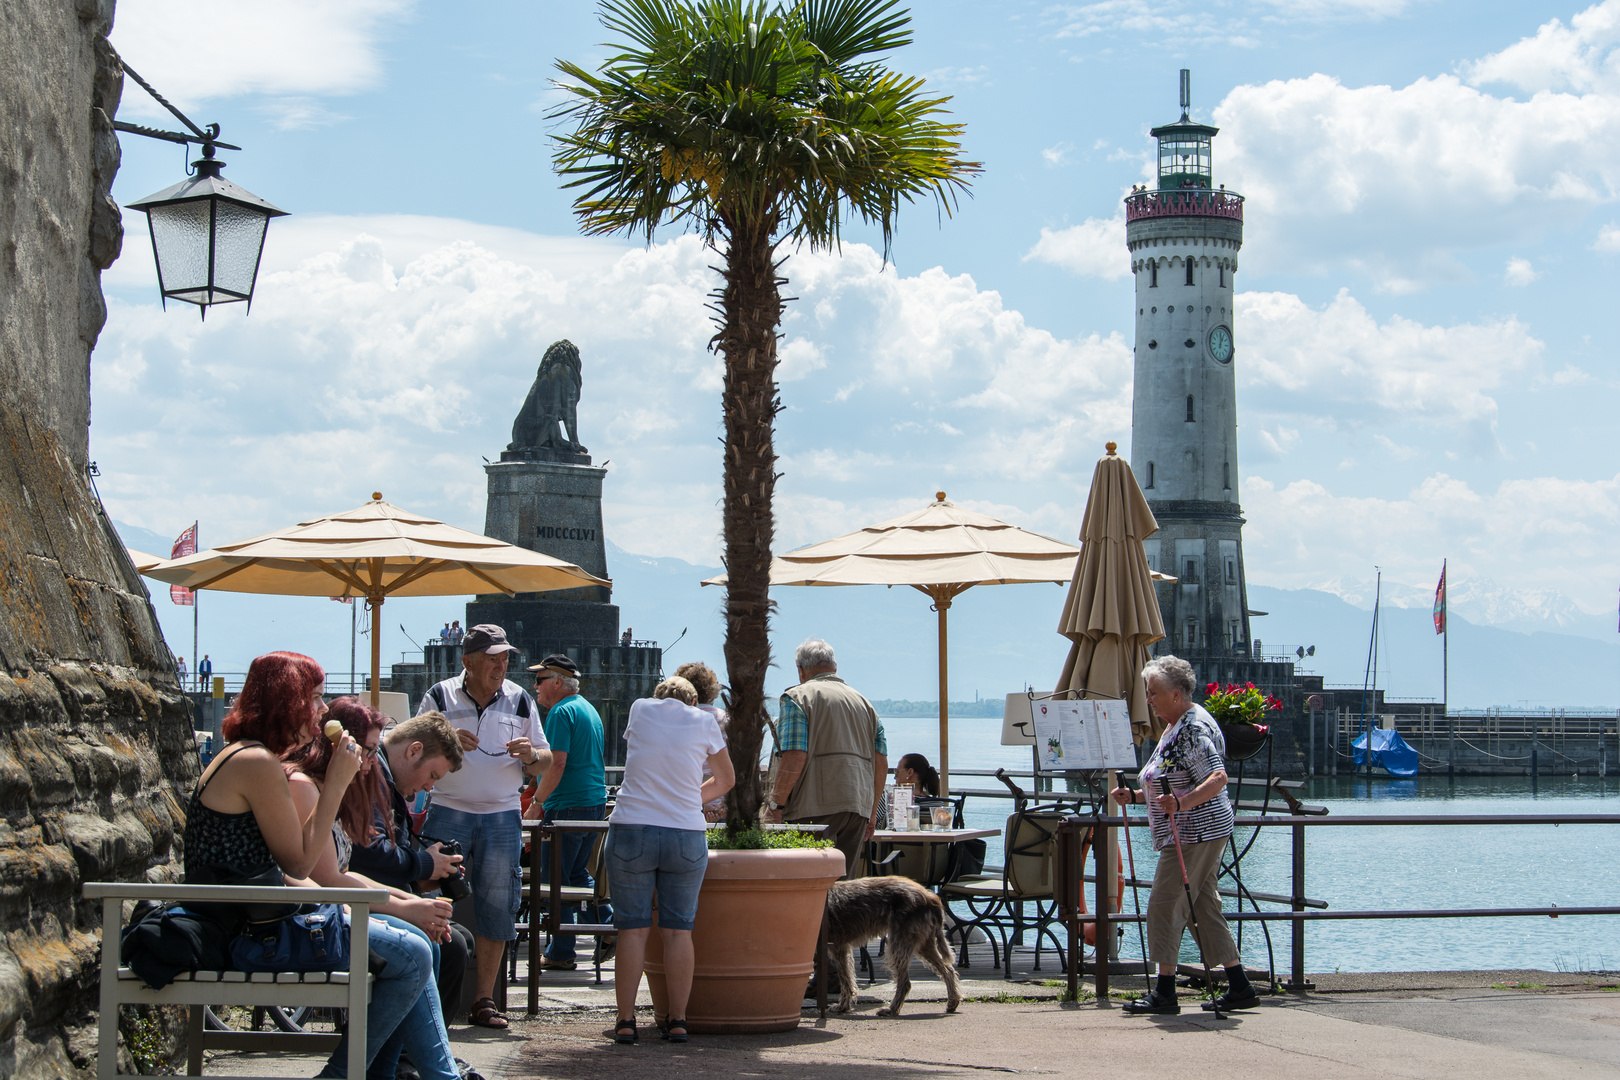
(242, 820)
(405, 923)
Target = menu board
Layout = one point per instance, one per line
(1072, 735)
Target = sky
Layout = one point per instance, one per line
(1432, 228)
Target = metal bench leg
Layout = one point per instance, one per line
(194, 1042)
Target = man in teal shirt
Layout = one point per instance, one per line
(574, 788)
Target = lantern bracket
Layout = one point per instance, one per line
(208, 137)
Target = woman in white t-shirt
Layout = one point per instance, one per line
(657, 843)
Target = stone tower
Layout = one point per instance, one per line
(1184, 237)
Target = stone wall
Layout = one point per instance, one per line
(95, 743)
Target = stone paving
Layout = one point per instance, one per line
(1526, 1025)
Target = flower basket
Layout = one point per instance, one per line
(1243, 741)
(1239, 711)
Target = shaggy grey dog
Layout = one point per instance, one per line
(911, 917)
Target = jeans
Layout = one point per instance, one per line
(492, 845)
(576, 857)
(404, 1009)
(648, 860)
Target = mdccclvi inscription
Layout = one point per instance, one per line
(560, 532)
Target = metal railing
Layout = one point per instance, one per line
(1184, 202)
(1071, 833)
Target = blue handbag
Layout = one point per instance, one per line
(311, 941)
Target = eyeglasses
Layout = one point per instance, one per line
(508, 728)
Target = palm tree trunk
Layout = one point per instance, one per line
(750, 310)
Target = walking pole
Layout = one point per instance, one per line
(1192, 912)
(1136, 898)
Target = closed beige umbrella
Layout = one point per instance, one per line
(941, 550)
(1112, 613)
(376, 551)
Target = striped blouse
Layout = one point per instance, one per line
(1188, 753)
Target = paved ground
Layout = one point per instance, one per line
(1462, 1025)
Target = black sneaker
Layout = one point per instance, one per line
(1153, 1004)
(1234, 999)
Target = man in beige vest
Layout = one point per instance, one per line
(834, 759)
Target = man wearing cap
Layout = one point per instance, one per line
(574, 788)
(498, 726)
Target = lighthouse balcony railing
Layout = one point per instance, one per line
(1188, 202)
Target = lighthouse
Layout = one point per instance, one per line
(1184, 237)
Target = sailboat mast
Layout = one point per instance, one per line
(1370, 679)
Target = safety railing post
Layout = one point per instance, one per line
(1296, 973)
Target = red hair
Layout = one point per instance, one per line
(274, 705)
(365, 791)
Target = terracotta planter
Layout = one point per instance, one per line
(754, 940)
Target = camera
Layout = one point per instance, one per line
(454, 886)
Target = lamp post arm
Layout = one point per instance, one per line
(208, 138)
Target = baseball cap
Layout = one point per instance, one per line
(557, 664)
(485, 638)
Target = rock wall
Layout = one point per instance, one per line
(95, 743)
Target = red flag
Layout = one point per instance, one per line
(1440, 603)
(184, 544)
(342, 599)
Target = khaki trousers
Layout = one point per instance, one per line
(1167, 905)
(847, 832)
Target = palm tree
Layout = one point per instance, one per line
(757, 124)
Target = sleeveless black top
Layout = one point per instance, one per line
(223, 841)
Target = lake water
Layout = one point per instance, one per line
(1405, 867)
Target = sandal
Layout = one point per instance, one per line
(669, 1034)
(485, 1014)
(625, 1032)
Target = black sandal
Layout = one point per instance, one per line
(668, 1032)
(625, 1032)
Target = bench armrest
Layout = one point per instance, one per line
(236, 894)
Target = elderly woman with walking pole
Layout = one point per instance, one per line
(1190, 817)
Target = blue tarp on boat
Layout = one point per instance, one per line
(1389, 750)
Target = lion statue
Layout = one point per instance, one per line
(549, 418)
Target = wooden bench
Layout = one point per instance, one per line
(199, 989)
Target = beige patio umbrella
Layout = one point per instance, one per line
(1112, 613)
(941, 550)
(142, 560)
(376, 551)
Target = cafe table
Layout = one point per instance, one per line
(936, 870)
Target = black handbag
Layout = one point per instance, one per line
(969, 859)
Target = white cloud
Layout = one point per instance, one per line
(391, 353)
(1519, 272)
(1574, 57)
(1608, 239)
(1094, 248)
(1293, 358)
(1057, 154)
(1539, 533)
(1399, 178)
(280, 47)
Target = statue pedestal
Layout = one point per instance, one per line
(556, 509)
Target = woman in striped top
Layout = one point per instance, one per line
(1191, 757)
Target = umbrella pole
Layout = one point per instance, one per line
(942, 604)
(375, 603)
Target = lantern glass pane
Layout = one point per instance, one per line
(180, 234)
(238, 238)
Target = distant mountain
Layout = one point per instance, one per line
(1002, 638)
(1487, 603)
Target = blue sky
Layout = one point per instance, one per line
(1432, 231)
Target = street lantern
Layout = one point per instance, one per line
(207, 233)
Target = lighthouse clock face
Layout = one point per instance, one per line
(1220, 344)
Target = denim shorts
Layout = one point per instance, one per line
(647, 859)
(492, 850)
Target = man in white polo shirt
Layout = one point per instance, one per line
(498, 724)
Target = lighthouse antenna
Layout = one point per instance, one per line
(1186, 91)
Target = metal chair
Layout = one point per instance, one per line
(996, 902)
